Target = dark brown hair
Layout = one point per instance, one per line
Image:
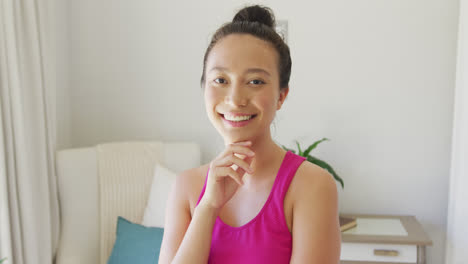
(258, 21)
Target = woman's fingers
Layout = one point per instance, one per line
(238, 149)
(223, 179)
(225, 160)
(230, 156)
(233, 160)
(225, 169)
(222, 172)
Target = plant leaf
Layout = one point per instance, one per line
(325, 165)
(292, 150)
(299, 149)
(311, 147)
(3, 259)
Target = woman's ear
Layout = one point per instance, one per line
(282, 96)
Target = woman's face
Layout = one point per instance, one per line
(242, 87)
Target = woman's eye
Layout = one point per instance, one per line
(220, 80)
(257, 82)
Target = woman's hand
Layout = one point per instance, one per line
(223, 180)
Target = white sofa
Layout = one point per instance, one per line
(79, 199)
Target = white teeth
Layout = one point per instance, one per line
(236, 118)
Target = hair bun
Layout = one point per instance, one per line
(256, 13)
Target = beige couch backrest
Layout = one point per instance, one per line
(77, 172)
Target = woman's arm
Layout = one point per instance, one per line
(315, 230)
(195, 247)
(185, 240)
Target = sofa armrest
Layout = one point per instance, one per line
(79, 213)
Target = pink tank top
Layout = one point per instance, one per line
(265, 238)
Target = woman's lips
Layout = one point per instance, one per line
(237, 123)
(238, 114)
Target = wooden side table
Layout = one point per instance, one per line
(384, 239)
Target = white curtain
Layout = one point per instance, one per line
(29, 217)
(457, 222)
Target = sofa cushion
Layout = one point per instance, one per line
(163, 180)
(135, 243)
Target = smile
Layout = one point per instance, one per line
(237, 120)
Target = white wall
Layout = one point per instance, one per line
(376, 77)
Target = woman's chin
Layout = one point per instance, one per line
(230, 140)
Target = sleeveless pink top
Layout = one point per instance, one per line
(265, 238)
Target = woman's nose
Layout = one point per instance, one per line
(236, 96)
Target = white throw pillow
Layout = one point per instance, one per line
(156, 206)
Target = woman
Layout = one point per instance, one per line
(255, 202)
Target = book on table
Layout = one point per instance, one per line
(347, 223)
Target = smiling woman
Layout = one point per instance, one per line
(242, 81)
(254, 202)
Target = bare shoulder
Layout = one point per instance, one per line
(315, 228)
(193, 175)
(312, 181)
(189, 183)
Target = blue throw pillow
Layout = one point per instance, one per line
(135, 243)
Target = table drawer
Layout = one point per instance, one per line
(379, 252)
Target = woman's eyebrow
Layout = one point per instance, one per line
(257, 70)
(250, 70)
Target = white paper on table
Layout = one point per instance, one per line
(378, 227)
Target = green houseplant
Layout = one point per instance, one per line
(3, 259)
(316, 161)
